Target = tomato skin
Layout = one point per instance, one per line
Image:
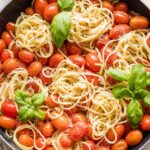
(120, 145)
(119, 131)
(40, 142)
(102, 148)
(5, 55)
(35, 68)
(9, 65)
(45, 80)
(49, 101)
(89, 131)
(9, 109)
(33, 86)
(134, 137)
(108, 5)
(26, 56)
(118, 31)
(52, 1)
(92, 62)
(73, 49)
(49, 148)
(110, 80)
(139, 22)
(7, 122)
(29, 11)
(148, 41)
(43, 61)
(145, 123)
(65, 141)
(55, 60)
(16, 50)
(7, 37)
(78, 117)
(10, 27)
(78, 60)
(122, 6)
(77, 131)
(26, 140)
(91, 145)
(71, 111)
(48, 129)
(2, 45)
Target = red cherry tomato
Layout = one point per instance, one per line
(134, 137)
(122, 6)
(29, 11)
(5, 55)
(120, 145)
(145, 123)
(128, 128)
(65, 141)
(35, 68)
(10, 27)
(71, 111)
(39, 6)
(55, 60)
(102, 148)
(148, 41)
(73, 49)
(118, 31)
(49, 101)
(16, 50)
(89, 131)
(7, 122)
(78, 60)
(8, 108)
(43, 61)
(50, 11)
(64, 50)
(111, 80)
(24, 131)
(108, 5)
(2, 45)
(49, 148)
(39, 124)
(45, 80)
(22, 64)
(77, 131)
(40, 142)
(33, 86)
(48, 129)
(7, 37)
(9, 65)
(78, 117)
(90, 144)
(93, 62)
(26, 140)
(26, 56)
(52, 1)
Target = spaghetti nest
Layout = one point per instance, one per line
(89, 21)
(70, 83)
(33, 33)
(106, 112)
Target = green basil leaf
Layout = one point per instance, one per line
(140, 94)
(60, 28)
(21, 97)
(38, 99)
(138, 78)
(147, 100)
(26, 113)
(39, 114)
(148, 79)
(121, 91)
(66, 5)
(134, 113)
(117, 74)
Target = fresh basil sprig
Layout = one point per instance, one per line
(29, 106)
(132, 87)
(60, 28)
(66, 5)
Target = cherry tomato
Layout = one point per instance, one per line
(33, 86)
(39, 6)
(118, 31)
(134, 137)
(148, 41)
(2, 45)
(45, 80)
(65, 141)
(102, 148)
(108, 5)
(139, 22)
(26, 140)
(8, 108)
(92, 62)
(24, 131)
(49, 148)
(16, 50)
(128, 128)
(9, 65)
(29, 11)
(78, 117)
(5, 55)
(91, 145)
(40, 142)
(1, 70)
(43, 61)
(22, 64)
(73, 49)
(49, 101)
(121, 17)
(120, 145)
(35, 68)
(26, 56)
(7, 37)
(145, 123)
(52, 1)
(72, 111)
(48, 129)
(119, 129)
(122, 6)
(10, 27)
(55, 60)
(77, 131)
(39, 124)
(7, 122)
(61, 123)
(91, 78)
(111, 80)
(89, 131)
(78, 60)
(64, 50)
(50, 11)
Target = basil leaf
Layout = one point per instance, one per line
(60, 28)
(148, 79)
(147, 100)
(38, 99)
(117, 74)
(134, 113)
(121, 91)
(26, 113)
(66, 5)
(137, 79)
(21, 97)
(140, 94)
(39, 114)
